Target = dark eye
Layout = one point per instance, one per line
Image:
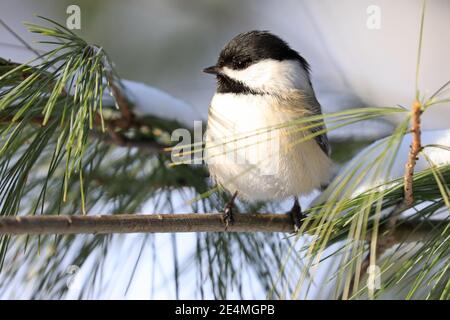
(241, 63)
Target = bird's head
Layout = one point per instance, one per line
(259, 62)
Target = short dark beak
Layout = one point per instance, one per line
(212, 70)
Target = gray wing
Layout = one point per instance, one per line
(322, 140)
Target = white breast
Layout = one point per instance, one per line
(250, 148)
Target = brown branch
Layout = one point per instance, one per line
(122, 101)
(408, 198)
(130, 223)
(163, 223)
(110, 136)
(415, 148)
(391, 236)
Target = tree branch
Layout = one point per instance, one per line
(408, 198)
(111, 136)
(415, 148)
(391, 237)
(133, 223)
(168, 223)
(121, 100)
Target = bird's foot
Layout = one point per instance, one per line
(228, 218)
(296, 215)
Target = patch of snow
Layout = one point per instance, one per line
(438, 156)
(149, 101)
(364, 130)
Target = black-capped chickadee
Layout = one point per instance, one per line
(255, 141)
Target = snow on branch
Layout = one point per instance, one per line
(150, 101)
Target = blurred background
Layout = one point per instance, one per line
(166, 44)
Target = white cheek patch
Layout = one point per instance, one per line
(272, 76)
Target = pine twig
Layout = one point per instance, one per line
(415, 148)
(122, 102)
(390, 238)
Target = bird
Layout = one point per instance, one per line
(256, 146)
